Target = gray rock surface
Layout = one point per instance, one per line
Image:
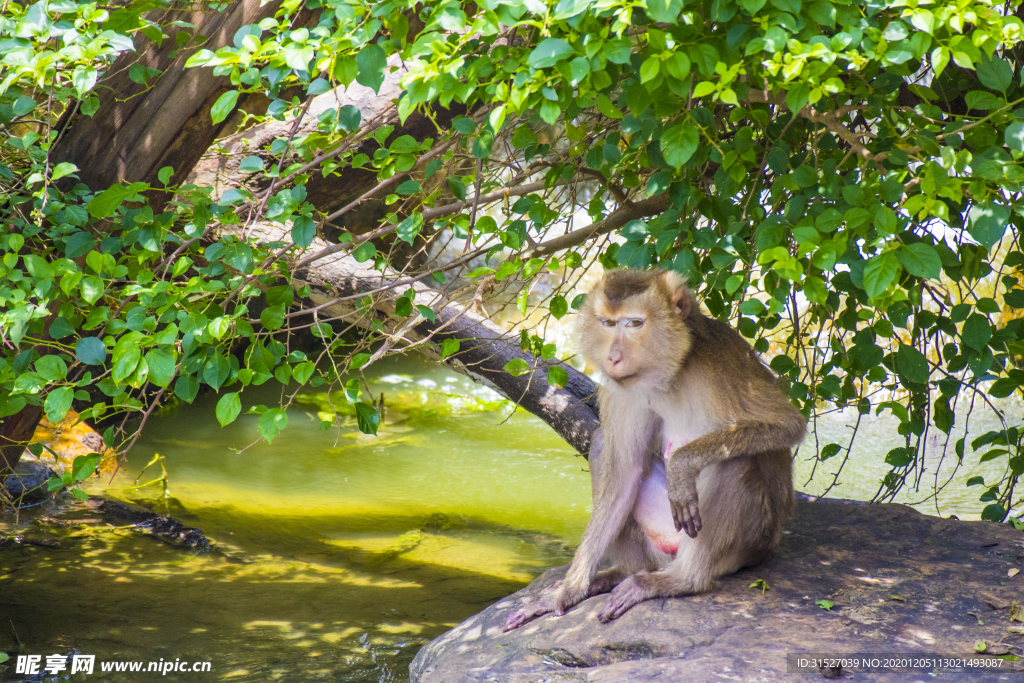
(900, 582)
(28, 483)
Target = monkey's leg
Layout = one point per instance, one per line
(734, 506)
(740, 439)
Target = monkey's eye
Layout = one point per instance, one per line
(607, 323)
(635, 322)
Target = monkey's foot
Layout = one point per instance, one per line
(628, 593)
(544, 603)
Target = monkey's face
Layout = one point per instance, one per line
(632, 327)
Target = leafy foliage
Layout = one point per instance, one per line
(840, 179)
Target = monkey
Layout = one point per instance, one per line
(691, 468)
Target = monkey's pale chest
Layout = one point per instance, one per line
(684, 418)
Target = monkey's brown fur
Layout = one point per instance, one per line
(689, 387)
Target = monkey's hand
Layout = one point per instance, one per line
(682, 498)
(555, 598)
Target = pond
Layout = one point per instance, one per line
(337, 555)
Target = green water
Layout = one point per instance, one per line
(338, 555)
(308, 580)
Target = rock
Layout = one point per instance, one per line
(899, 582)
(161, 526)
(27, 484)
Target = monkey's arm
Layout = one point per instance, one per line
(740, 439)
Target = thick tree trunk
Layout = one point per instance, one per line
(136, 131)
(15, 432)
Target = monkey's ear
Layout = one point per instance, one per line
(680, 293)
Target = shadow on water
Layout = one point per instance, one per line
(337, 555)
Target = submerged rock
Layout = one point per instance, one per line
(165, 528)
(846, 579)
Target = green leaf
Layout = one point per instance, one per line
(448, 347)
(165, 174)
(51, 368)
(345, 70)
(60, 328)
(427, 313)
(37, 267)
(524, 137)
(885, 220)
(303, 231)
(367, 418)
(364, 252)
(900, 457)
(976, 332)
(880, 272)
(678, 144)
(409, 187)
(57, 403)
(994, 513)
(161, 367)
(824, 604)
(920, 259)
(605, 106)
(791, 6)
(995, 73)
(665, 11)
(1014, 136)
(569, 8)
(272, 317)
(105, 203)
(349, 118)
(410, 227)
(272, 422)
(457, 186)
(912, 364)
(251, 164)
(91, 351)
(223, 106)
(228, 408)
(186, 388)
(829, 451)
(549, 52)
(558, 306)
(517, 367)
(84, 466)
(557, 376)
(216, 370)
(62, 169)
(649, 69)
(371, 62)
(798, 97)
(987, 223)
(126, 359)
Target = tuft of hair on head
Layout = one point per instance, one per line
(678, 291)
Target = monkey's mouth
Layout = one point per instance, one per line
(625, 379)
